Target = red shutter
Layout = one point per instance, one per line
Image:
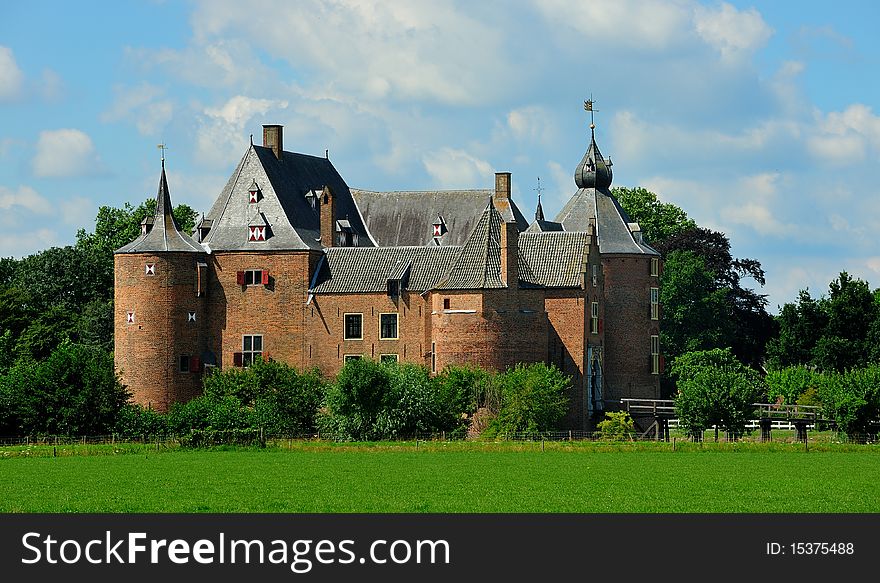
(662, 364)
(601, 320)
(194, 364)
(265, 277)
(240, 276)
(236, 359)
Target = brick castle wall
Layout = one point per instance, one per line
(628, 328)
(147, 350)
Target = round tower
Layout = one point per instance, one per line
(159, 305)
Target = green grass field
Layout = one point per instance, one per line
(437, 477)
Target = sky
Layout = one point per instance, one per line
(759, 119)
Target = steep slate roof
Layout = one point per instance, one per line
(284, 184)
(542, 225)
(406, 218)
(552, 259)
(478, 264)
(368, 269)
(594, 200)
(165, 235)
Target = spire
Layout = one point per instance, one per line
(539, 212)
(163, 204)
(593, 171)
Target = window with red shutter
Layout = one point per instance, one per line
(236, 359)
(265, 277)
(240, 277)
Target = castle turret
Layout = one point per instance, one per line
(159, 303)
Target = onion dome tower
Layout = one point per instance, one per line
(159, 303)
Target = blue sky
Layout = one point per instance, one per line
(759, 119)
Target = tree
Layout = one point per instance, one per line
(791, 383)
(658, 220)
(852, 399)
(714, 388)
(75, 391)
(534, 398)
(744, 325)
(837, 332)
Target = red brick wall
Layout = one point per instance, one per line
(147, 351)
(276, 310)
(628, 328)
(325, 343)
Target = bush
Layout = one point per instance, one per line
(714, 388)
(852, 399)
(73, 392)
(790, 383)
(533, 398)
(135, 421)
(616, 426)
(462, 390)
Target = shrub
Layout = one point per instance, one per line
(790, 383)
(135, 421)
(533, 398)
(714, 388)
(616, 425)
(852, 399)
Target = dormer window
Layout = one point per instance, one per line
(204, 228)
(346, 235)
(146, 225)
(312, 197)
(256, 233)
(254, 193)
(439, 229)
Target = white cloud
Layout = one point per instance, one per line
(846, 137)
(11, 77)
(732, 32)
(398, 50)
(219, 137)
(452, 168)
(531, 124)
(24, 197)
(141, 105)
(65, 153)
(644, 25)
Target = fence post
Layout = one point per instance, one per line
(673, 444)
(569, 434)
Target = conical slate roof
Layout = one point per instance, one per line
(165, 235)
(478, 265)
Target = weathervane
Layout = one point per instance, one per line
(162, 147)
(538, 189)
(588, 106)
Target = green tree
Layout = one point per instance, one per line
(75, 391)
(791, 383)
(534, 398)
(800, 326)
(658, 220)
(714, 388)
(852, 399)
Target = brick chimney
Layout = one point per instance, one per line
(502, 190)
(328, 218)
(510, 254)
(273, 137)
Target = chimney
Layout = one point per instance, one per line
(328, 217)
(501, 199)
(510, 254)
(273, 137)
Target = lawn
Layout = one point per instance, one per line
(438, 477)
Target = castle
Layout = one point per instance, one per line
(292, 264)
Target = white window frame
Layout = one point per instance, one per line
(396, 326)
(255, 279)
(383, 357)
(655, 303)
(655, 267)
(347, 357)
(655, 354)
(345, 335)
(594, 318)
(433, 357)
(247, 356)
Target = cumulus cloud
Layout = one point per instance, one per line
(846, 137)
(24, 197)
(733, 33)
(219, 137)
(11, 77)
(143, 105)
(398, 50)
(65, 153)
(453, 168)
